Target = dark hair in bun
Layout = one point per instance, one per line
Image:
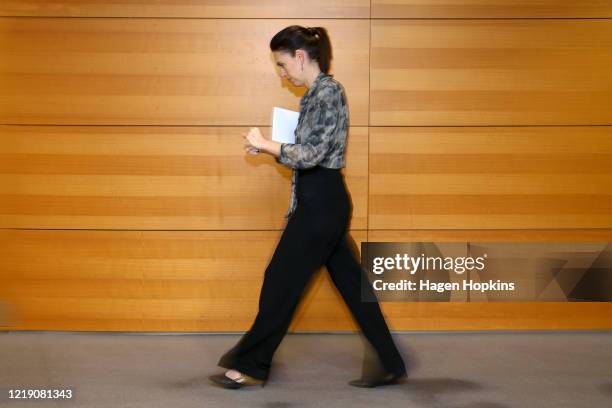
(313, 40)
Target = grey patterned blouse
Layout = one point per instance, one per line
(320, 136)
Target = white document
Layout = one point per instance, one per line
(284, 122)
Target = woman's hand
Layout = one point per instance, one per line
(254, 141)
(251, 150)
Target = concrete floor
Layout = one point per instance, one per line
(449, 369)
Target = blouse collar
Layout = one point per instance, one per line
(315, 84)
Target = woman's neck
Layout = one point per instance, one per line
(311, 75)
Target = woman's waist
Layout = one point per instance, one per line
(319, 172)
(320, 183)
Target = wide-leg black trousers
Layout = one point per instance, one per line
(315, 235)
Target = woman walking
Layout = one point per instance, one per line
(316, 232)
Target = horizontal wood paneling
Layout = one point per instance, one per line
(490, 177)
(491, 235)
(151, 178)
(496, 315)
(491, 72)
(195, 66)
(148, 280)
(210, 281)
(84, 71)
(189, 9)
(313, 9)
(490, 8)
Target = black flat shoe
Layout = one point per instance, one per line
(375, 382)
(243, 381)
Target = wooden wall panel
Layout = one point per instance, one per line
(148, 281)
(490, 177)
(490, 8)
(86, 71)
(491, 72)
(184, 79)
(189, 9)
(496, 315)
(152, 178)
(210, 281)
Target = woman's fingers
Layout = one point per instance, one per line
(250, 137)
(251, 149)
(254, 136)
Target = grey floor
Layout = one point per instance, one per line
(449, 369)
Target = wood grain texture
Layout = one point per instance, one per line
(184, 79)
(210, 281)
(85, 71)
(491, 72)
(189, 8)
(490, 177)
(491, 8)
(496, 315)
(148, 281)
(152, 178)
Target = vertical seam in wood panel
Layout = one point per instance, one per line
(368, 135)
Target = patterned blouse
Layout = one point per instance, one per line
(320, 135)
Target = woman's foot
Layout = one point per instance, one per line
(235, 379)
(233, 374)
(388, 379)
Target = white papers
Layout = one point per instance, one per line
(284, 122)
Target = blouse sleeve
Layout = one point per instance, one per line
(320, 124)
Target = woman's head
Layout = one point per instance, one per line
(297, 48)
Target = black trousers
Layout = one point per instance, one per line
(315, 235)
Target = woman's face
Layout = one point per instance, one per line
(290, 67)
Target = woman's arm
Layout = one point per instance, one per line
(320, 128)
(272, 147)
